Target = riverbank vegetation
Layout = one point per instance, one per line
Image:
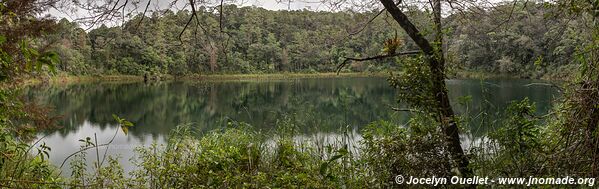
(562, 143)
(65, 78)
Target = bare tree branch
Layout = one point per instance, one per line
(509, 17)
(406, 110)
(370, 21)
(366, 24)
(144, 14)
(220, 16)
(349, 59)
(193, 14)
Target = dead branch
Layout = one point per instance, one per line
(144, 14)
(193, 14)
(559, 89)
(508, 19)
(366, 24)
(370, 21)
(220, 16)
(349, 59)
(406, 110)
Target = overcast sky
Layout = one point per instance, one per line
(314, 5)
(70, 12)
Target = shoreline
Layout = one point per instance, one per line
(278, 76)
(68, 79)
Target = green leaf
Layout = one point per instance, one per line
(52, 57)
(125, 130)
(343, 151)
(2, 39)
(38, 66)
(323, 168)
(335, 157)
(52, 68)
(34, 52)
(127, 123)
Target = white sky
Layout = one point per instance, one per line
(67, 10)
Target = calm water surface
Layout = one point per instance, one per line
(321, 107)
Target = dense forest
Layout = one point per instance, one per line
(536, 41)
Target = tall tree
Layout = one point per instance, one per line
(436, 61)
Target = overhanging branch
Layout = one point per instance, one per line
(349, 59)
(407, 110)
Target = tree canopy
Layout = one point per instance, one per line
(265, 41)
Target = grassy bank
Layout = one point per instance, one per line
(466, 74)
(278, 76)
(75, 79)
(564, 74)
(65, 79)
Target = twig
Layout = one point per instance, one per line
(371, 20)
(509, 17)
(97, 153)
(367, 23)
(545, 84)
(143, 15)
(27, 153)
(87, 148)
(193, 13)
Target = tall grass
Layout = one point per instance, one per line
(239, 156)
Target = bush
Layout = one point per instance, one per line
(413, 150)
(516, 148)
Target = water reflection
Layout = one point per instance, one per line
(156, 108)
(320, 107)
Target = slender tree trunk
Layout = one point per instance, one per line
(437, 65)
(213, 52)
(284, 60)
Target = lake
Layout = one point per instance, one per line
(320, 107)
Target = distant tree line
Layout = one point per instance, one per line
(523, 39)
(533, 43)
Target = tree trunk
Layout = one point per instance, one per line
(284, 60)
(213, 52)
(437, 65)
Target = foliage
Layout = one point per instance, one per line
(516, 148)
(299, 41)
(234, 157)
(240, 156)
(414, 84)
(22, 164)
(306, 41)
(391, 45)
(392, 150)
(566, 145)
(574, 129)
(514, 36)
